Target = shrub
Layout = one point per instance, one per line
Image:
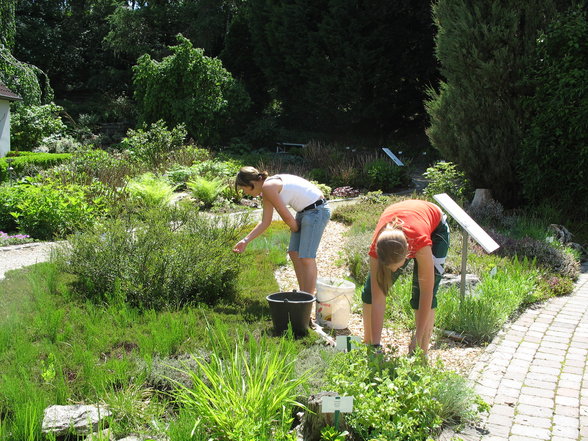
(51, 209)
(324, 188)
(191, 89)
(169, 258)
(15, 239)
(356, 252)
(383, 174)
(28, 163)
(211, 169)
(31, 124)
(555, 259)
(150, 191)
(10, 195)
(445, 177)
(58, 143)
(153, 144)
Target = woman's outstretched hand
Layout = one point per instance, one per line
(240, 246)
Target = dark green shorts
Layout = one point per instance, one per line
(440, 247)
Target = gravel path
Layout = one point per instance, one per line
(18, 256)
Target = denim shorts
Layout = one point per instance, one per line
(440, 247)
(312, 223)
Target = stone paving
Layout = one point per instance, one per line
(534, 374)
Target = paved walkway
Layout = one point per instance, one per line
(535, 375)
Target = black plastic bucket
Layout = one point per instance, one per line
(292, 307)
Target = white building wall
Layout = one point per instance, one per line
(4, 127)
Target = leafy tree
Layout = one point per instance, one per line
(7, 23)
(340, 63)
(188, 87)
(27, 80)
(476, 116)
(554, 156)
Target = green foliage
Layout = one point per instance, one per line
(31, 124)
(168, 258)
(51, 209)
(150, 191)
(27, 163)
(446, 177)
(383, 174)
(484, 49)
(555, 259)
(554, 154)
(7, 23)
(189, 88)
(205, 190)
(153, 145)
(482, 313)
(329, 433)
(26, 80)
(245, 390)
(347, 64)
(394, 398)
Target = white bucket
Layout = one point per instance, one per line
(334, 298)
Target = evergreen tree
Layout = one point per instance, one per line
(476, 117)
(554, 160)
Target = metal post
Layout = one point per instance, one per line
(464, 262)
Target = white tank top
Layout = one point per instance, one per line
(297, 192)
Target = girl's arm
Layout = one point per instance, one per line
(426, 275)
(378, 304)
(271, 194)
(266, 220)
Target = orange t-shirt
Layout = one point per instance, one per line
(420, 219)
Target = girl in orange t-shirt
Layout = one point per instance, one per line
(411, 229)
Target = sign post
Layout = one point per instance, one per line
(337, 405)
(394, 158)
(470, 228)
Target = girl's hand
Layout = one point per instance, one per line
(240, 246)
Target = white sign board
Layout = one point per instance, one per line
(466, 222)
(334, 404)
(345, 343)
(397, 161)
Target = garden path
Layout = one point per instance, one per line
(535, 373)
(17, 256)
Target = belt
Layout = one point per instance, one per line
(316, 204)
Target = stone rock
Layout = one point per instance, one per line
(482, 196)
(455, 279)
(80, 419)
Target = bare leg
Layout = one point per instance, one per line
(306, 272)
(367, 323)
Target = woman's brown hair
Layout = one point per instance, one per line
(247, 175)
(391, 248)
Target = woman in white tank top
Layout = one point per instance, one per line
(312, 215)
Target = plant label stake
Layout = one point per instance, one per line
(346, 343)
(470, 228)
(337, 405)
(394, 158)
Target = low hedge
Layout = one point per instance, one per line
(24, 160)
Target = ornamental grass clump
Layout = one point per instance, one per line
(482, 313)
(245, 390)
(166, 258)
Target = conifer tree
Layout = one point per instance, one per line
(476, 117)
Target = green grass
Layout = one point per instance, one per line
(55, 348)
